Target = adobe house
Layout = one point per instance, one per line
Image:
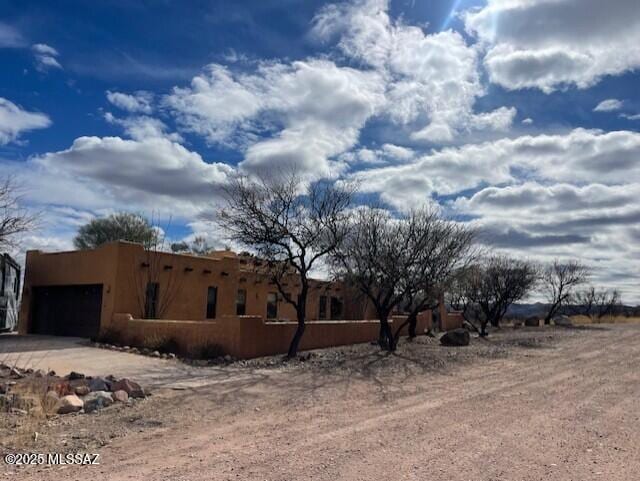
(221, 299)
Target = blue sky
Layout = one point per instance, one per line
(520, 117)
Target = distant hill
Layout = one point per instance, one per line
(540, 309)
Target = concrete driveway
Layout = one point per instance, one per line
(65, 354)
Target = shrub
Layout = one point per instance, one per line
(109, 335)
(209, 350)
(161, 343)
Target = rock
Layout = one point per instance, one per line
(564, 321)
(97, 400)
(82, 390)
(19, 411)
(3, 388)
(455, 337)
(133, 389)
(126, 348)
(155, 354)
(532, 321)
(121, 396)
(16, 373)
(228, 359)
(75, 375)
(39, 373)
(50, 401)
(62, 387)
(171, 355)
(69, 404)
(51, 373)
(99, 384)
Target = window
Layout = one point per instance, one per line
(212, 299)
(322, 311)
(272, 305)
(241, 302)
(151, 300)
(336, 308)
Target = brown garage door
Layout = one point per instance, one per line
(67, 310)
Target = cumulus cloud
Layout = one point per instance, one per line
(110, 172)
(432, 79)
(139, 102)
(548, 44)
(14, 120)
(578, 156)
(609, 105)
(546, 221)
(315, 107)
(45, 56)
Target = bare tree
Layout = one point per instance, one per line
(375, 257)
(199, 245)
(595, 303)
(560, 281)
(443, 248)
(486, 290)
(14, 219)
(400, 262)
(154, 298)
(290, 224)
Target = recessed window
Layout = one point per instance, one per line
(241, 302)
(151, 300)
(272, 305)
(322, 308)
(336, 308)
(212, 300)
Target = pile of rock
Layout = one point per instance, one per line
(76, 392)
(72, 393)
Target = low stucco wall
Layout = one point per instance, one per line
(250, 336)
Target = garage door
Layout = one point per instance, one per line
(67, 310)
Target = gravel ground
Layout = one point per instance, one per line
(526, 404)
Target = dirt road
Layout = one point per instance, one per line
(564, 410)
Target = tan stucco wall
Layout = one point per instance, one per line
(250, 336)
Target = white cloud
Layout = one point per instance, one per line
(432, 79)
(139, 102)
(45, 56)
(578, 156)
(143, 127)
(609, 105)
(546, 221)
(14, 120)
(316, 108)
(10, 37)
(109, 172)
(548, 44)
(527, 121)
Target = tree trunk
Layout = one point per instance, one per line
(301, 312)
(386, 339)
(295, 342)
(413, 324)
(483, 329)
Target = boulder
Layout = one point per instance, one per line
(82, 390)
(121, 396)
(75, 375)
(564, 321)
(532, 321)
(455, 337)
(99, 384)
(69, 404)
(133, 389)
(62, 387)
(97, 400)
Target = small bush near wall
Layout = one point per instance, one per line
(161, 343)
(109, 336)
(208, 351)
